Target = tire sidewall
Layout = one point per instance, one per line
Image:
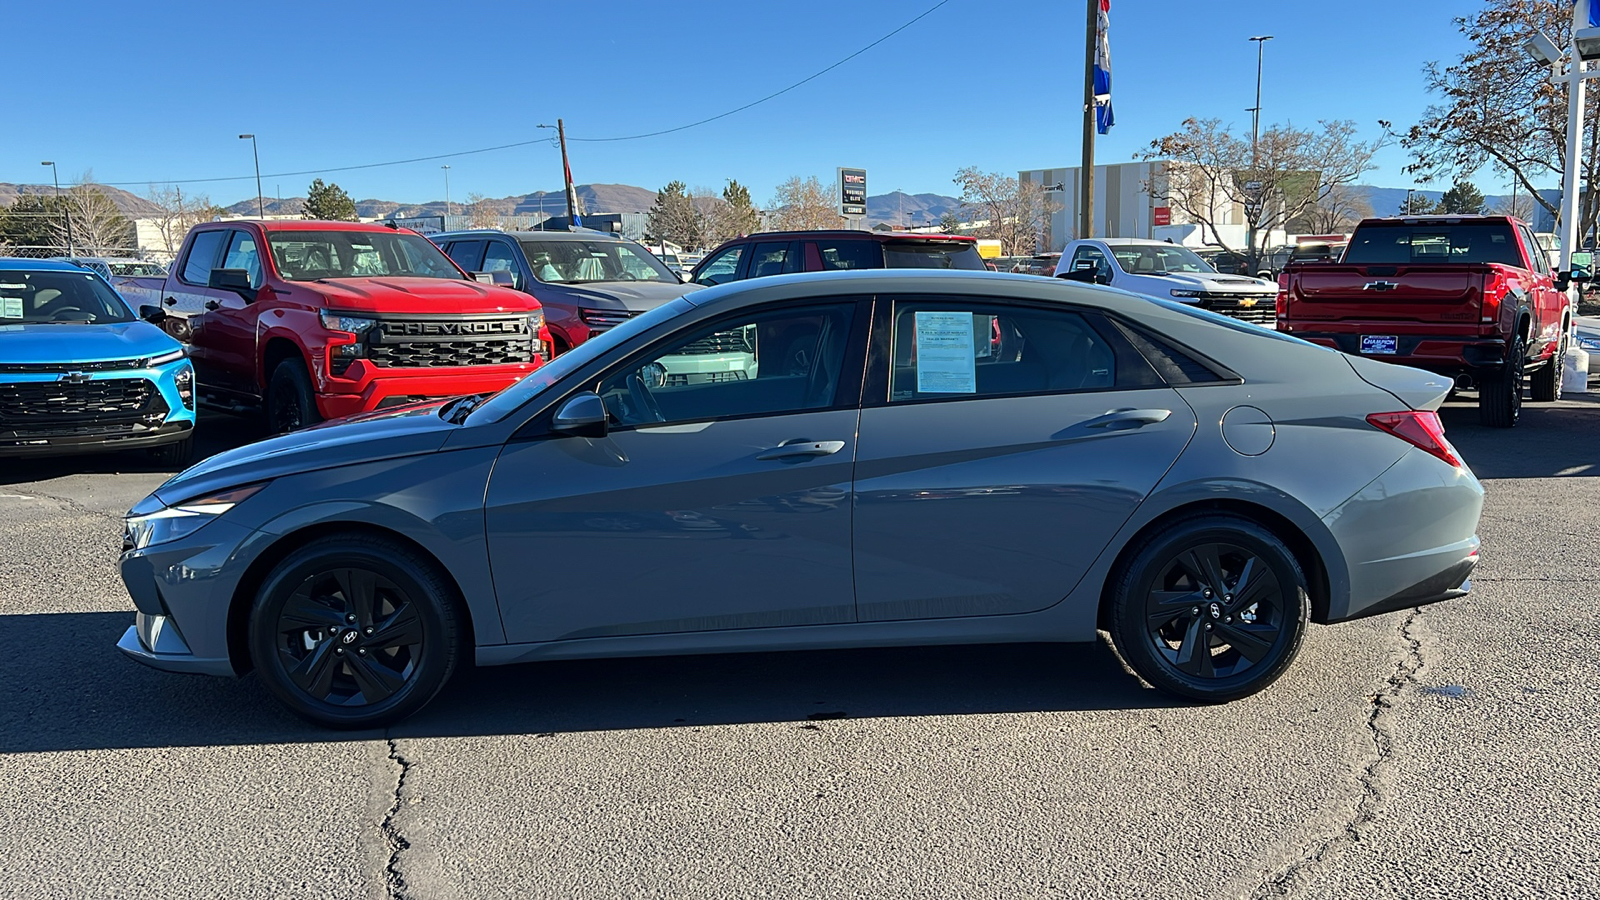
(439, 630)
(289, 379)
(1137, 577)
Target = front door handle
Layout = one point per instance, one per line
(212, 304)
(172, 301)
(1118, 419)
(795, 449)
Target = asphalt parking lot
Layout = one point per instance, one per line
(1446, 752)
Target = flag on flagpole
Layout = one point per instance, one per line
(1594, 11)
(1104, 118)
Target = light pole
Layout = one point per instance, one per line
(446, 168)
(1255, 118)
(56, 177)
(261, 203)
(1585, 47)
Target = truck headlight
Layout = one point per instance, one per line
(356, 325)
(1180, 292)
(536, 321)
(174, 522)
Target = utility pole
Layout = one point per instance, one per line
(1086, 193)
(446, 168)
(1569, 177)
(566, 169)
(261, 203)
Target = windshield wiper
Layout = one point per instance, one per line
(456, 411)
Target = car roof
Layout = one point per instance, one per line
(1134, 242)
(532, 235)
(18, 263)
(300, 225)
(859, 235)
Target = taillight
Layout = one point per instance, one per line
(1283, 296)
(1495, 290)
(1421, 429)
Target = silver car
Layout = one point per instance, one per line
(961, 458)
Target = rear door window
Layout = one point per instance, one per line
(771, 259)
(849, 254)
(202, 258)
(932, 255)
(498, 258)
(467, 254)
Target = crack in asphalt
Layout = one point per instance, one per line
(1381, 728)
(394, 882)
(73, 504)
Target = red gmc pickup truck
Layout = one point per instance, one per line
(1471, 297)
(311, 320)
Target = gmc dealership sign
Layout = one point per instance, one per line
(852, 192)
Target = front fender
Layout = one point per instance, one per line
(300, 327)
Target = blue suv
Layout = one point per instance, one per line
(79, 372)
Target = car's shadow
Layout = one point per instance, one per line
(1550, 440)
(66, 688)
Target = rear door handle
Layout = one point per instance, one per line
(795, 449)
(1118, 419)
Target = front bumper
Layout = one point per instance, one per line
(182, 591)
(367, 387)
(21, 434)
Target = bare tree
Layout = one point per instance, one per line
(803, 204)
(98, 227)
(1498, 109)
(1519, 205)
(176, 214)
(483, 212)
(1337, 212)
(1009, 210)
(727, 216)
(1287, 172)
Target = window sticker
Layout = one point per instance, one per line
(946, 363)
(10, 307)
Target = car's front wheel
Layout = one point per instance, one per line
(291, 403)
(355, 631)
(1211, 608)
(1546, 383)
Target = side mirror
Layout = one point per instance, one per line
(152, 314)
(236, 280)
(1101, 279)
(583, 415)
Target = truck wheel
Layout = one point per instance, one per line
(1546, 386)
(291, 405)
(1500, 395)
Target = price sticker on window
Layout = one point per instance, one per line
(946, 361)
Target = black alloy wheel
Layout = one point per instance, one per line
(354, 632)
(1545, 386)
(1212, 608)
(291, 403)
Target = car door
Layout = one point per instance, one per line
(227, 331)
(209, 334)
(1002, 445)
(714, 502)
(1547, 302)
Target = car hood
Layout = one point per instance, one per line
(417, 295)
(635, 296)
(1216, 282)
(67, 344)
(404, 431)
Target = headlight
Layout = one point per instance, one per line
(180, 521)
(356, 325)
(535, 321)
(1179, 292)
(165, 358)
(184, 381)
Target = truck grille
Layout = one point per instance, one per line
(45, 409)
(447, 342)
(1264, 312)
(734, 341)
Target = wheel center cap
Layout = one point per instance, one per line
(1216, 610)
(349, 637)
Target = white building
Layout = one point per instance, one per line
(1130, 200)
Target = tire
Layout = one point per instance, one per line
(1545, 385)
(177, 453)
(354, 631)
(1500, 395)
(1167, 603)
(291, 404)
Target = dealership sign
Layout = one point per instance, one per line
(852, 192)
(1163, 215)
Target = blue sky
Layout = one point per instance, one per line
(160, 91)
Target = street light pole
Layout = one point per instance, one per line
(446, 168)
(67, 214)
(1255, 118)
(1569, 178)
(261, 203)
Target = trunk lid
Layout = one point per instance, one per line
(1413, 387)
(1435, 293)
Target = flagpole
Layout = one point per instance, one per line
(1086, 191)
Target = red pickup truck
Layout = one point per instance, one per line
(310, 320)
(1471, 297)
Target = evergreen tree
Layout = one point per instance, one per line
(329, 202)
(673, 216)
(1416, 205)
(1463, 199)
(743, 217)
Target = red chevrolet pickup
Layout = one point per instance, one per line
(1471, 297)
(311, 320)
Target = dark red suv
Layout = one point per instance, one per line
(782, 252)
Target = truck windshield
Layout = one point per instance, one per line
(1428, 242)
(1158, 259)
(314, 255)
(68, 298)
(582, 262)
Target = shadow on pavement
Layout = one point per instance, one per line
(1552, 440)
(67, 688)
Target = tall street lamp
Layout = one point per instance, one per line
(56, 177)
(446, 168)
(1585, 48)
(1255, 118)
(261, 203)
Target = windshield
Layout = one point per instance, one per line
(932, 255)
(502, 404)
(584, 262)
(1159, 259)
(1476, 242)
(314, 255)
(78, 298)
(136, 269)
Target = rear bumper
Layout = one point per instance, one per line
(1443, 355)
(375, 387)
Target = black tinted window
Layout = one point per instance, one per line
(203, 256)
(1427, 242)
(848, 254)
(770, 259)
(932, 255)
(467, 254)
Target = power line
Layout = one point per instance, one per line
(629, 137)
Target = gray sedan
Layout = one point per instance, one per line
(957, 458)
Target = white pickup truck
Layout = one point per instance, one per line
(1169, 272)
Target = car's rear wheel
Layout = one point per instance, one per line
(1500, 394)
(355, 631)
(1211, 608)
(1546, 383)
(291, 403)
